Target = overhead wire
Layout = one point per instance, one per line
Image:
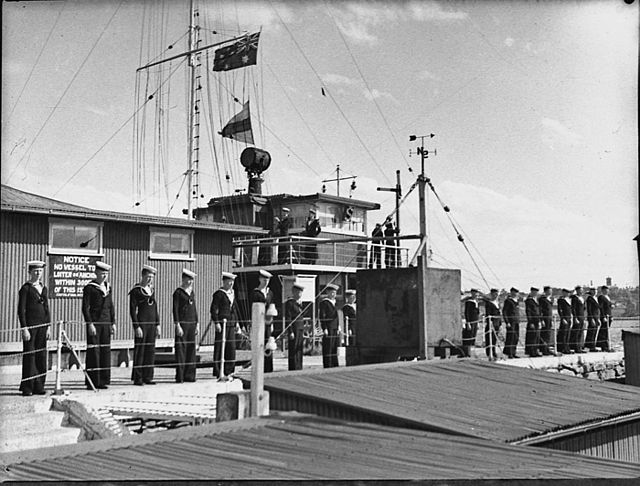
(66, 90)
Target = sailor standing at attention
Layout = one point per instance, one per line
(566, 316)
(99, 314)
(577, 330)
(605, 319)
(593, 319)
(511, 317)
(224, 315)
(492, 314)
(146, 323)
(293, 315)
(34, 317)
(328, 316)
(532, 336)
(349, 311)
(262, 293)
(546, 317)
(471, 317)
(185, 318)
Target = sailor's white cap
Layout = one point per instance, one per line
(298, 286)
(149, 269)
(35, 264)
(189, 273)
(286, 210)
(105, 267)
(264, 273)
(230, 275)
(332, 287)
(350, 292)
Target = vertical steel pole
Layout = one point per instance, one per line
(58, 390)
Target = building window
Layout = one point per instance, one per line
(68, 236)
(171, 244)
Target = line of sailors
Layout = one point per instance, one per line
(577, 313)
(99, 314)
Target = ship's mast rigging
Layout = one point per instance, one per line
(193, 159)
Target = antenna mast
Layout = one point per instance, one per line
(193, 159)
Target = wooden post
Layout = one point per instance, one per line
(422, 311)
(257, 357)
(59, 390)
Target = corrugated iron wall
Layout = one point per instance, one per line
(620, 442)
(631, 342)
(126, 248)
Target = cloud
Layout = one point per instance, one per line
(555, 134)
(252, 15)
(341, 82)
(359, 21)
(509, 41)
(426, 75)
(338, 80)
(375, 94)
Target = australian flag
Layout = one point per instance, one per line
(237, 55)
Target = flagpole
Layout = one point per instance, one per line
(192, 83)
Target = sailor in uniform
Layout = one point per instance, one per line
(492, 314)
(511, 317)
(100, 317)
(143, 309)
(262, 293)
(471, 317)
(546, 320)
(605, 319)
(185, 319)
(532, 336)
(593, 319)
(34, 317)
(224, 315)
(328, 317)
(293, 314)
(390, 251)
(566, 318)
(576, 341)
(350, 313)
(376, 247)
(311, 230)
(285, 252)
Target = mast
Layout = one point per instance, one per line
(193, 143)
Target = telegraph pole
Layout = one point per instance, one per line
(338, 179)
(398, 192)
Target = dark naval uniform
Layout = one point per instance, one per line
(576, 340)
(258, 295)
(328, 316)
(511, 316)
(310, 249)
(469, 331)
(144, 315)
(546, 321)
(376, 248)
(564, 329)
(224, 306)
(492, 312)
(605, 322)
(532, 336)
(350, 313)
(98, 309)
(185, 313)
(293, 315)
(33, 310)
(285, 252)
(593, 322)
(390, 250)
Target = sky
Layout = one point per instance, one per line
(533, 106)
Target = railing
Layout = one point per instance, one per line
(343, 253)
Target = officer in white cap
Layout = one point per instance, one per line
(262, 293)
(294, 318)
(311, 230)
(143, 308)
(328, 317)
(100, 318)
(285, 252)
(224, 315)
(34, 317)
(185, 319)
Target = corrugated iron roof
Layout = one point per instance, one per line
(474, 398)
(24, 202)
(303, 447)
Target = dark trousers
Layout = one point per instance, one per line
(532, 338)
(296, 346)
(603, 333)
(144, 354)
(563, 337)
(309, 253)
(99, 355)
(469, 337)
(185, 348)
(546, 334)
(593, 323)
(330, 349)
(491, 337)
(511, 339)
(229, 350)
(376, 257)
(390, 256)
(268, 362)
(576, 337)
(34, 361)
(286, 253)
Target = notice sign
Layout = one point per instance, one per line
(69, 274)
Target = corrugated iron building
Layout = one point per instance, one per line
(302, 448)
(473, 398)
(631, 341)
(34, 227)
